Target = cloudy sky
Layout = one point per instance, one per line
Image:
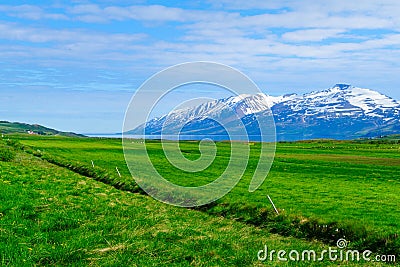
(74, 65)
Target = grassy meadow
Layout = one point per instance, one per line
(56, 209)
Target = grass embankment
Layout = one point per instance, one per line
(50, 215)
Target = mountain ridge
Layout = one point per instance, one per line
(340, 112)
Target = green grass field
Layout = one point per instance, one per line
(325, 190)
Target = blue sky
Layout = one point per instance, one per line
(73, 65)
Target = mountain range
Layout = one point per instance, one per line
(340, 112)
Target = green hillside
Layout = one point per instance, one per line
(17, 127)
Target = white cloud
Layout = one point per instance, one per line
(146, 13)
(315, 35)
(41, 35)
(96, 13)
(297, 36)
(249, 4)
(31, 12)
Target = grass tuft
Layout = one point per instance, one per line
(6, 153)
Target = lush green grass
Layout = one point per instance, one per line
(52, 216)
(323, 179)
(6, 153)
(351, 187)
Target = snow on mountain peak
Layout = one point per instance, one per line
(246, 104)
(361, 97)
(340, 100)
(352, 110)
(274, 100)
(242, 105)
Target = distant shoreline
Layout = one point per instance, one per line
(103, 135)
(168, 137)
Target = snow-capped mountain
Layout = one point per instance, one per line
(342, 112)
(340, 100)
